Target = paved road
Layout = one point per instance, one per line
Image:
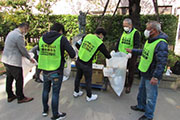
(107, 107)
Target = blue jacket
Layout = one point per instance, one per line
(159, 62)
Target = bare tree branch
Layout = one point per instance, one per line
(102, 16)
(116, 7)
(105, 8)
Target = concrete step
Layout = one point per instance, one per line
(177, 49)
(170, 82)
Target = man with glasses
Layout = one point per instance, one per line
(14, 50)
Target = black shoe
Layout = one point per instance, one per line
(34, 76)
(12, 98)
(144, 118)
(128, 90)
(38, 80)
(59, 117)
(135, 108)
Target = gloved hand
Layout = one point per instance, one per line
(32, 60)
(129, 55)
(112, 53)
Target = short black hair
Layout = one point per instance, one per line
(58, 27)
(24, 25)
(100, 30)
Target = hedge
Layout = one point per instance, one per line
(39, 26)
(114, 26)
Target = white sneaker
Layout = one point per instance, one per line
(93, 97)
(80, 93)
(45, 114)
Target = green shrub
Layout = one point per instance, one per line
(40, 25)
(114, 26)
(1, 46)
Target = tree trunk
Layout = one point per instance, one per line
(155, 2)
(102, 16)
(134, 12)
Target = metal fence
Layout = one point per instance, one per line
(2, 38)
(30, 40)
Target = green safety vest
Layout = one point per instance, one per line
(49, 55)
(126, 41)
(148, 54)
(88, 47)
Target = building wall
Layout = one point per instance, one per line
(97, 6)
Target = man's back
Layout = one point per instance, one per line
(14, 49)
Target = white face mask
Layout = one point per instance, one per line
(147, 33)
(126, 29)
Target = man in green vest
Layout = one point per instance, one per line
(88, 47)
(129, 39)
(52, 46)
(152, 64)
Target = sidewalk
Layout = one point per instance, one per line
(107, 107)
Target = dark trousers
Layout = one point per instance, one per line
(37, 74)
(131, 68)
(16, 73)
(85, 70)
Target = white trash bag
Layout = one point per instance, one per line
(67, 70)
(27, 67)
(116, 70)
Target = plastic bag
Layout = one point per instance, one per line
(28, 68)
(77, 39)
(116, 71)
(67, 70)
(27, 65)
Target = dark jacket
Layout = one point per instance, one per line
(49, 38)
(35, 50)
(160, 57)
(101, 48)
(136, 41)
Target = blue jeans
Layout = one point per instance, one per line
(147, 97)
(56, 80)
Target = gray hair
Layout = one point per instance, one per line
(128, 20)
(155, 25)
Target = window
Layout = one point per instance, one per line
(123, 10)
(165, 9)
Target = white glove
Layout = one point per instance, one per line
(129, 55)
(168, 72)
(112, 53)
